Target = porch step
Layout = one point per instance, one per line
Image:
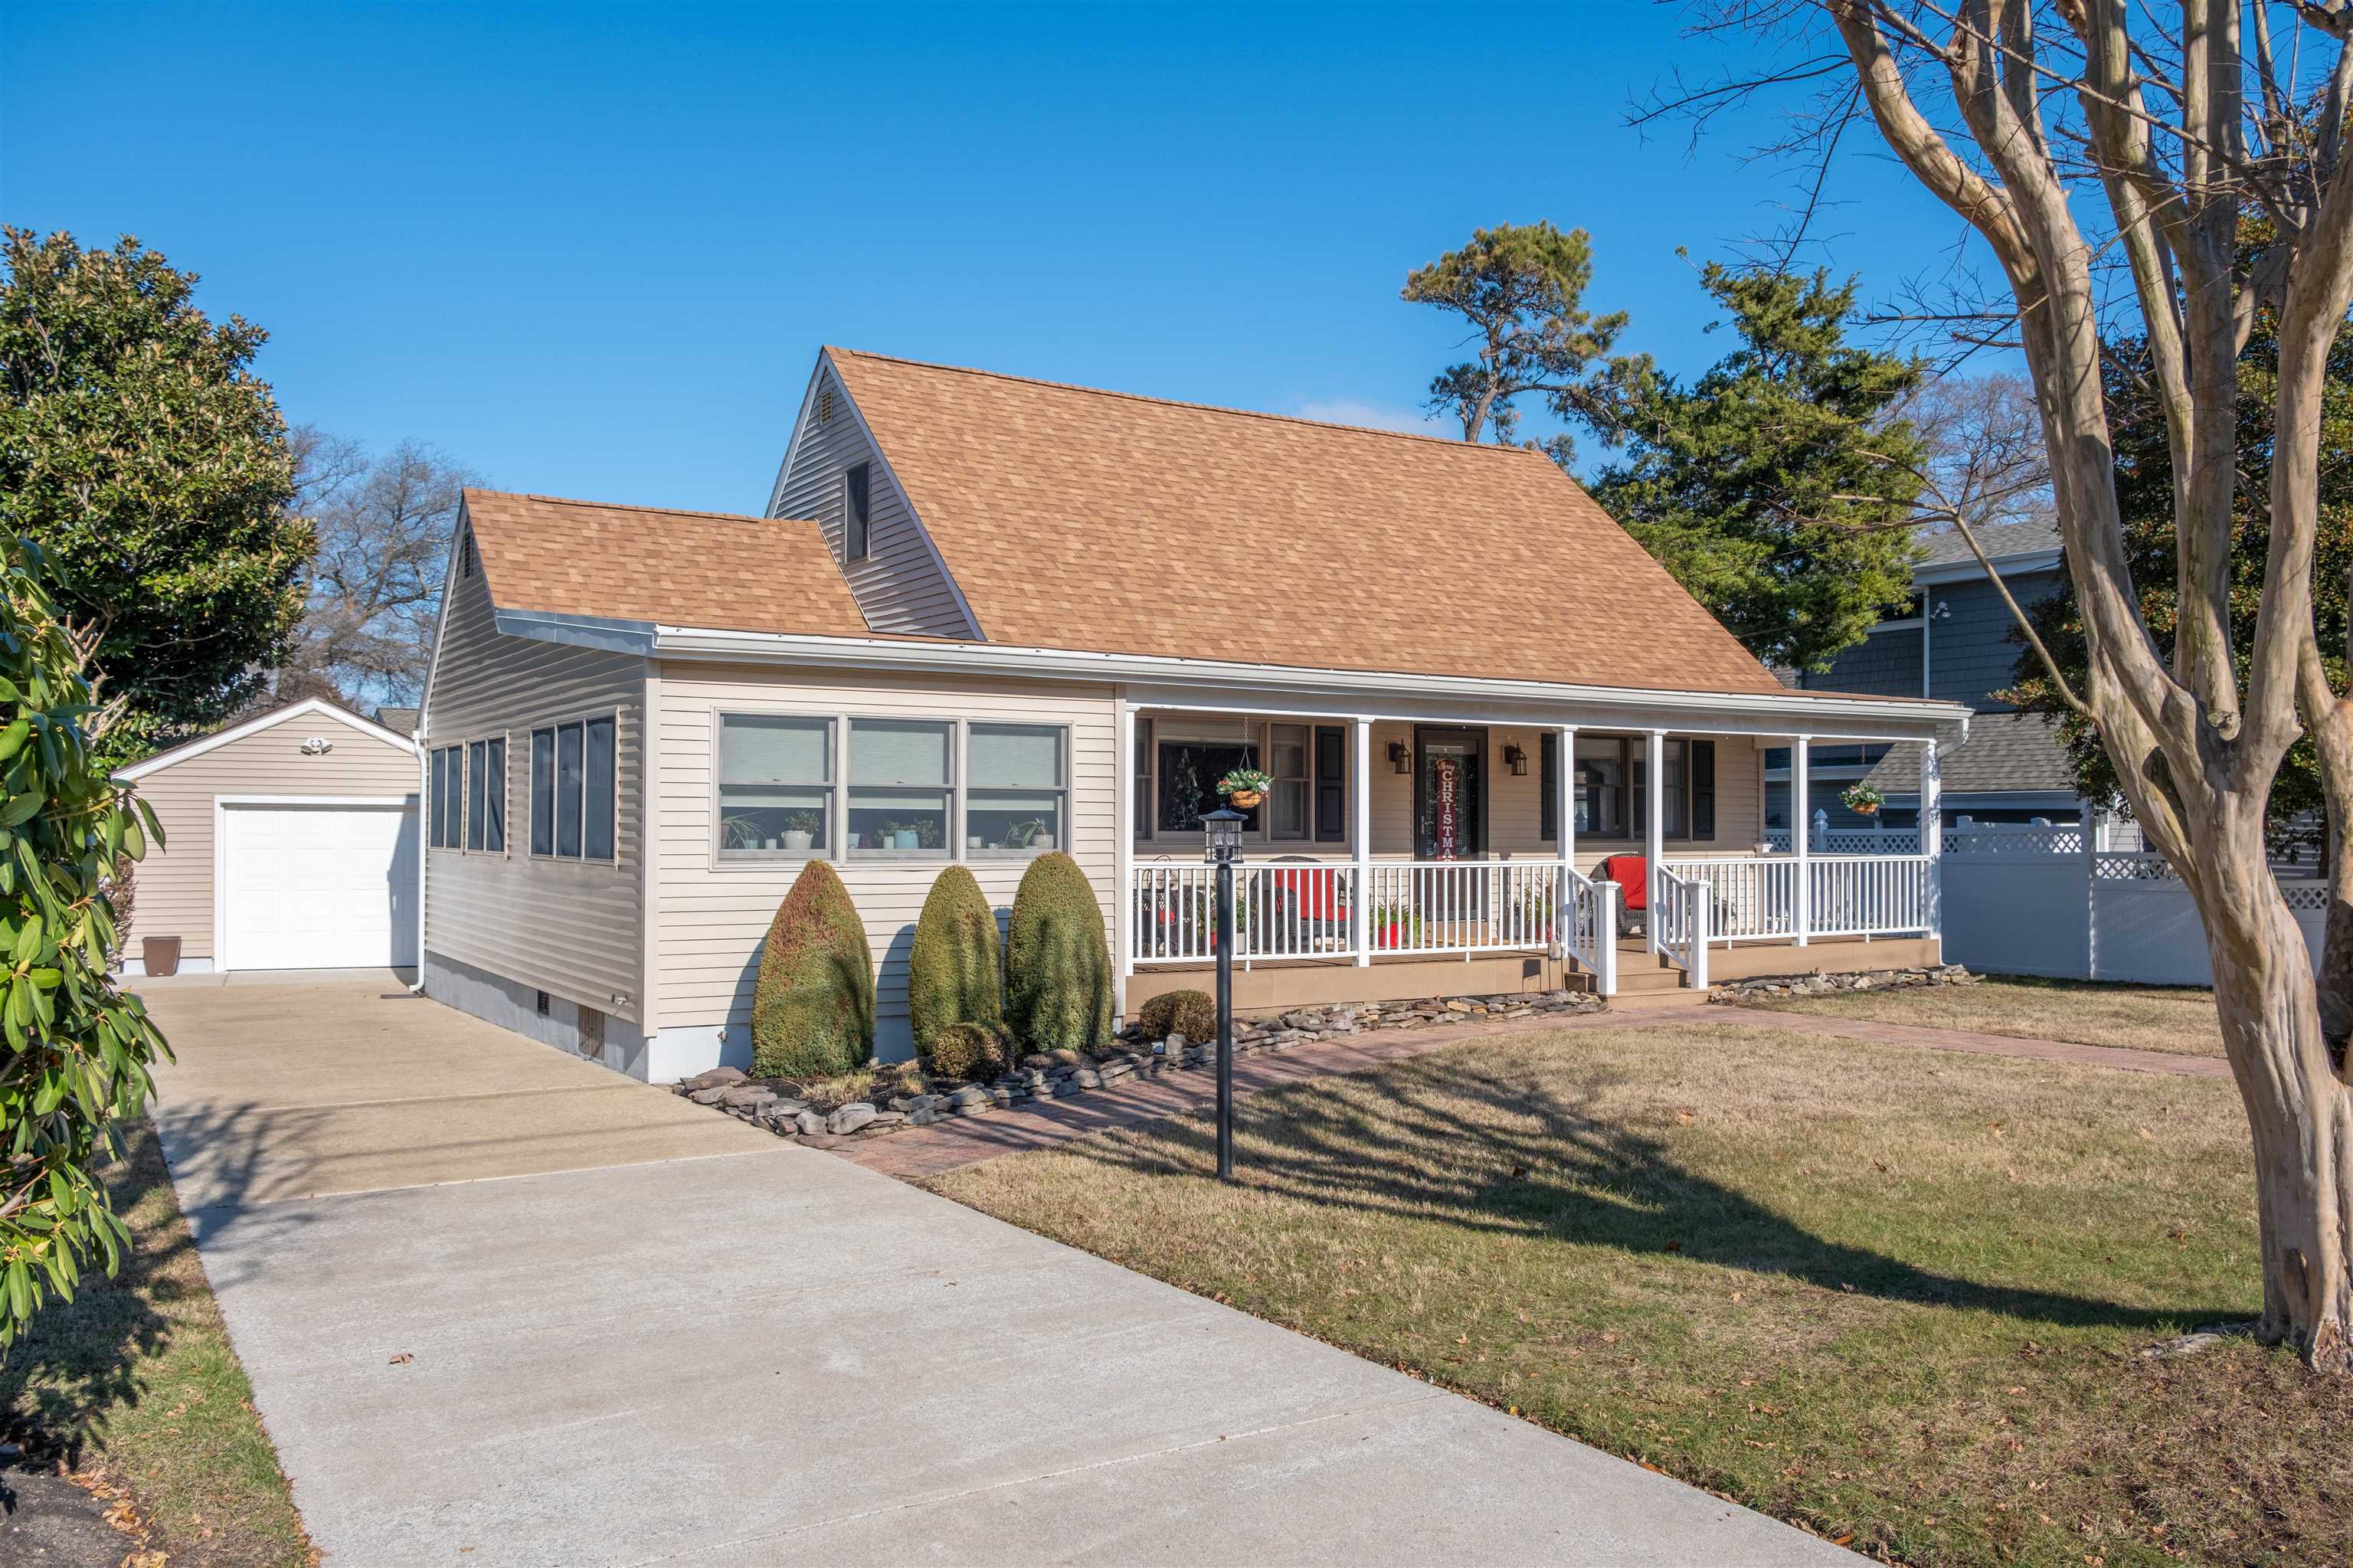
(1629, 999)
(1645, 979)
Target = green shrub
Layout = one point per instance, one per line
(813, 1005)
(976, 1052)
(1192, 1013)
(952, 972)
(74, 1050)
(1058, 977)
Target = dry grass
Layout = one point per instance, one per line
(135, 1379)
(2143, 1017)
(1896, 1298)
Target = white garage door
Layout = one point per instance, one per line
(312, 887)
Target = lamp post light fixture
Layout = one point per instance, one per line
(1222, 831)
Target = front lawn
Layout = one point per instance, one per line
(135, 1379)
(2145, 1017)
(1898, 1298)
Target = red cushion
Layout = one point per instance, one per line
(1632, 872)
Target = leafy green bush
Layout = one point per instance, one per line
(953, 972)
(1057, 965)
(813, 1005)
(968, 1050)
(1192, 1013)
(78, 1050)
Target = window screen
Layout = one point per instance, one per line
(1020, 792)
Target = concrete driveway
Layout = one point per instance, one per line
(502, 1307)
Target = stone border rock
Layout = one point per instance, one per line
(1736, 992)
(782, 1108)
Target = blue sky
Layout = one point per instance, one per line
(591, 250)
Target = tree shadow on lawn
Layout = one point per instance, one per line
(1572, 1176)
(83, 1359)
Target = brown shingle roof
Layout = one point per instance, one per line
(679, 568)
(1074, 518)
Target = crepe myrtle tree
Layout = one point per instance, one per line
(74, 1049)
(2105, 153)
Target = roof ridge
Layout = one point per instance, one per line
(633, 506)
(1177, 402)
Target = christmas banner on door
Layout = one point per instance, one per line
(1445, 783)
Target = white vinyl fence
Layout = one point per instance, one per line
(2040, 900)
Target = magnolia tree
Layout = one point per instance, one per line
(2110, 157)
(74, 1051)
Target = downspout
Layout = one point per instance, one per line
(424, 752)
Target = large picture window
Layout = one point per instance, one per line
(573, 780)
(902, 787)
(775, 786)
(1613, 787)
(1018, 779)
(1189, 773)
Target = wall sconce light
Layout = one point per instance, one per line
(1399, 758)
(1943, 611)
(1515, 757)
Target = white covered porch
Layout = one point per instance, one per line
(1346, 868)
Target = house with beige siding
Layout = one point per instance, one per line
(289, 841)
(983, 617)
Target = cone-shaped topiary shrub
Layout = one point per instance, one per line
(813, 1006)
(1192, 1013)
(969, 1051)
(1056, 964)
(952, 972)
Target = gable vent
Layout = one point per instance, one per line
(825, 405)
(466, 553)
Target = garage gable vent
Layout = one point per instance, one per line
(466, 553)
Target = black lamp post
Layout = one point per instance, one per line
(1223, 829)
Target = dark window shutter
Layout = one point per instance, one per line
(1702, 788)
(1331, 784)
(1548, 780)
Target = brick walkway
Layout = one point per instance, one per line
(2130, 1060)
(947, 1145)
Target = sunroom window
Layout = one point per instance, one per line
(1019, 786)
(902, 787)
(775, 786)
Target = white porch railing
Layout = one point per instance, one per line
(1869, 895)
(1417, 908)
(1755, 897)
(1279, 912)
(1681, 908)
(1462, 906)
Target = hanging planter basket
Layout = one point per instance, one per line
(1863, 800)
(1244, 787)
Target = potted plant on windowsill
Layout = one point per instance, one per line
(1244, 788)
(800, 831)
(1862, 799)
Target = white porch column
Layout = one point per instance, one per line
(1360, 837)
(1802, 840)
(1654, 827)
(1564, 816)
(1932, 833)
(1123, 922)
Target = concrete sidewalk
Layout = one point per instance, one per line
(710, 1347)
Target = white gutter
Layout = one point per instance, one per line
(1001, 659)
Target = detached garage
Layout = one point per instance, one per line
(291, 844)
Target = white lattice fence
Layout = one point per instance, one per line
(2035, 901)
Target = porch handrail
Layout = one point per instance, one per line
(1590, 932)
(1680, 904)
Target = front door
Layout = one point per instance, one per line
(1450, 793)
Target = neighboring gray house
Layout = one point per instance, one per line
(1954, 645)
